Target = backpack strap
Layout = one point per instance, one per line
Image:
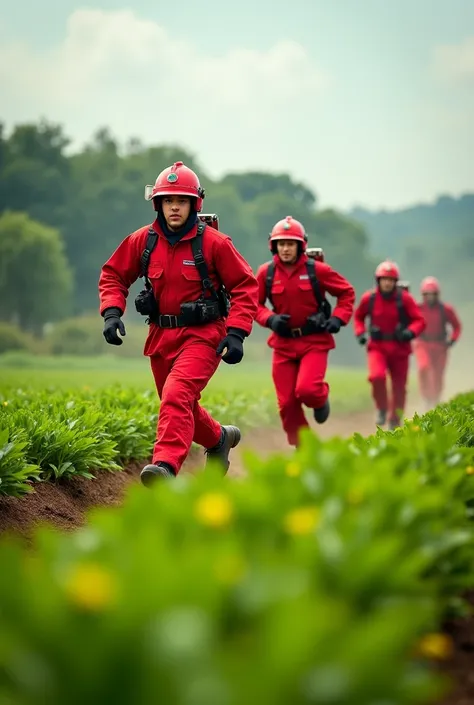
(311, 269)
(402, 314)
(400, 307)
(151, 240)
(323, 304)
(270, 275)
(200, 262)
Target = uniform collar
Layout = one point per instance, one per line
(188, 229)
(179, 238)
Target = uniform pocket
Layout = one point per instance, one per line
(155, 271)
(278, 289)
(155, 275)
(190, 273)
(304, 285)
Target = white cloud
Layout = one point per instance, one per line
(114, 68)
(455, 61)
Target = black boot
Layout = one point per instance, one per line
(152, 473)
(322, 413)
(393, 424)
(230, 437)
(381, 417)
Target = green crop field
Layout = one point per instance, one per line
(66, 416)
(349, 386)
(323, 577)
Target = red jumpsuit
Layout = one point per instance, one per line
(431, 349)
(388, 355)
(182, 359)
(299, 364)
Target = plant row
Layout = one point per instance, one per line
(52, 434)
(321, 578)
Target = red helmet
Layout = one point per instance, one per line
(430, 285)
(176, 180)
(387, 269)
(288, 229)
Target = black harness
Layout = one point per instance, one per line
(324, 307)
(212, 305)
(375, 332)
(443, 336)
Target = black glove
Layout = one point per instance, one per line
(333, 325)
(234, 342)
(405, 335)
(279, 323)
(361, 338)
(318, 322)
(112, 323)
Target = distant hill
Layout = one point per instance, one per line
(435, 239)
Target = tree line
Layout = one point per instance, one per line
(62, 214)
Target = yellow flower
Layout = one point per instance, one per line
(436, 646)
(301, 521)
(415, 428)
(470, 470)
(292, 469)
(91, 587)
(5, 403)
(214, 509)
(229, 569)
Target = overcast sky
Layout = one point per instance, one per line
(369, 102)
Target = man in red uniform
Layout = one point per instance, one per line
(431, 348)
(301, 323)
(394, 321)
(189, 270)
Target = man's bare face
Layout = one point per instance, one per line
(287, 251)
(176, 210)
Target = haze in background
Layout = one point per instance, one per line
(362, 107)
